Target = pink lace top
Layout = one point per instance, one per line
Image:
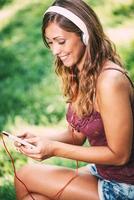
(92, 127)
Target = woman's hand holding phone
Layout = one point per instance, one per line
(18, 140)
(42, 147)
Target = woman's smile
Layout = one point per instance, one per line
(63, 58)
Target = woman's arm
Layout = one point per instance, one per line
(65, 136)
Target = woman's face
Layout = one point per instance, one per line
(65, 45)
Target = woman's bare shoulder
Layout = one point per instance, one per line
(112, 76)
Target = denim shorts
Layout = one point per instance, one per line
(112, 190)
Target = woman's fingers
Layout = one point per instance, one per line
(33, 156)
(22, 135)
(17, 144)
(30, 151)
(25, 135)
(32, 140)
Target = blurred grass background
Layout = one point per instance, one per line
(29, 88)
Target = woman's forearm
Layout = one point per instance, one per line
(97, 155)
(58, 135)
(65, 136)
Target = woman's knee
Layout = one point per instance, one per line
(30, 173)
(23, 170)
(23, 173)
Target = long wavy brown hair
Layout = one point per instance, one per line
(80, 87)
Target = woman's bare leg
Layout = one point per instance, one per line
(45, 181)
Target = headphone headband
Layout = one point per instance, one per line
(72, 17)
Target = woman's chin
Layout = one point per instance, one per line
(68, 64)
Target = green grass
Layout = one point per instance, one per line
(127, 55)
(112, 13)
(5, 2)
(7, 191)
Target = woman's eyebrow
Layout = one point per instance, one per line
(55, 37)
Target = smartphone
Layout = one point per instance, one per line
(17, 139)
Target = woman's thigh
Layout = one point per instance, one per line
(48, 180)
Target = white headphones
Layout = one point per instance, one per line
(72, 17)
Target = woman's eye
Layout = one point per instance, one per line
(62, 42)
(49, 43)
